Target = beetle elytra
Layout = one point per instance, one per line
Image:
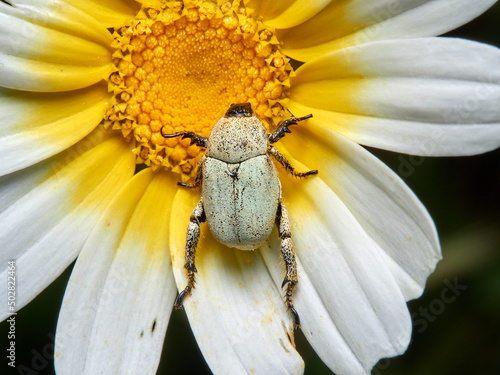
(241, 192)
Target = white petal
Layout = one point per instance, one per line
(236, 312)
(120, 295)
(430, 97)
(51, 46)
(351, 308)
(36, 126)
(59, 16)
(44, 228)
(388, 211)
(363, 21)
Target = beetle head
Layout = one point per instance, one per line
(239, 110)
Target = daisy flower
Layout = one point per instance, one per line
(86, 88)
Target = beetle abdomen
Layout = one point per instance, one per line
(241, 200)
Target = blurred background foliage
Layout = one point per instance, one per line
(450, 337)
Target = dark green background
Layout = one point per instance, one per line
(460, 337)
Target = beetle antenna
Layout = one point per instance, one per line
(283, 128)
(195, 138)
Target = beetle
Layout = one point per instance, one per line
(241, 191)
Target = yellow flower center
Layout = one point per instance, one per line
(179, 66)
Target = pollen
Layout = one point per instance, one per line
(179, 65)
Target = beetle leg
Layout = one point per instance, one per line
(193, 234)
(286, 164)
(197, 180)
(195, 138)
(288, 254)
(283, 128)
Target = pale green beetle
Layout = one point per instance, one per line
(241, 191)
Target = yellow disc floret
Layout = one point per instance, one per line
(179, 66)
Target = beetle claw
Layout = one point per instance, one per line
(170, 135)
(309, 173)
(186, 185)
(285, 281)
(296, 319)
(195, 138)
(180, 299)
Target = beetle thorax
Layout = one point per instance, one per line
(235, 139)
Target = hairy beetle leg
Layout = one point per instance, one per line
(288, 254)
(283, 128)
(193, 234)
(286, 164)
